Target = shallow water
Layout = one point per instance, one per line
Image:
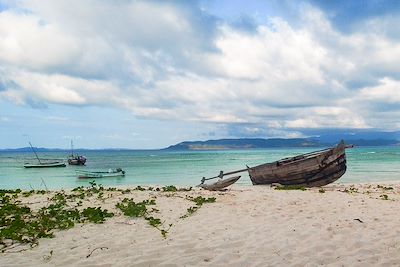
(365, 164)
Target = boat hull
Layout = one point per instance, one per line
(220, 184)
(77, 161)
(309, 170)
(88, 174)
(45, 165)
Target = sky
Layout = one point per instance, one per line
(148, 74)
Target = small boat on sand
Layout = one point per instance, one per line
(312, 169)
(43, 163)
(317, 168)
(91, 174)
(220, 184)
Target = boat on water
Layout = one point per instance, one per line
(312, 169)
(75, 159)
(103, 174)
(43, 163)
(220, 184)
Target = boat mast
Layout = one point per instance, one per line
(35, 153)
(72, 148)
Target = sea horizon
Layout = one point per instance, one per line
(182, 168)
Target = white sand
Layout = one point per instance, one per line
(247, 226)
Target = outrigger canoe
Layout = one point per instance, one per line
(110, 173)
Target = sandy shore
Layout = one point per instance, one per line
(347, 225)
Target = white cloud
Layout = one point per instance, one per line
(170, 61)
(387, 91)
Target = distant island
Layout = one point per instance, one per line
(230, 144)
(258, 143)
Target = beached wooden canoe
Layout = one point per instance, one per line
(91, 174)
(312, 169)
(220, 184)
(45, 164)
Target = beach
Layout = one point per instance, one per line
(338, 225)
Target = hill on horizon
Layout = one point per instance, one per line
(254, 143)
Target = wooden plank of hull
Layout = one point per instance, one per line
(315, 170)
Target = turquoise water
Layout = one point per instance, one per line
(365, 164)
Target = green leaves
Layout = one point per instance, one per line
(22, 225)
(199, 202)
(290, 187)
(132, 209)
(96, 215)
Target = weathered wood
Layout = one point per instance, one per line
(312, 169)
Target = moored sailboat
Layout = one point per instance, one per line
(43, 163)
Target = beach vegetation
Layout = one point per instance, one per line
(199, 202)
(96, 215)
(22, 225)
(384, 197)
(169, 188)
(10, 191)
(139, 188)
(350, 190)
(321, 190)
(132, 209)
(290, 187)
(384, 187)
(126, 191)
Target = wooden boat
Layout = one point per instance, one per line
(75, 159)
(317, 168)
(220, 184)
(91, 174)
(45, 164)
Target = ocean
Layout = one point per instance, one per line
(182, 168)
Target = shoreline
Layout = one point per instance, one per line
(346, 224)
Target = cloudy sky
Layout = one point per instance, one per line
(147, 74)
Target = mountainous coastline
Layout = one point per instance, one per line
(226, 144)
(258, 143)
